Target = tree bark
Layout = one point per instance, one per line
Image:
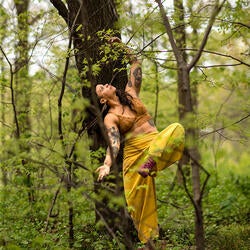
(84, 19)
(178, 43)
(187, 101)
(3, 115)
(23, 86)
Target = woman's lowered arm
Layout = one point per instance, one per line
(113, 148)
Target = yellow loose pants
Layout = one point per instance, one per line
(165, 147)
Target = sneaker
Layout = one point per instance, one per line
(148, 168)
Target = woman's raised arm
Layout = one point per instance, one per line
(135, 74)
(135, 78)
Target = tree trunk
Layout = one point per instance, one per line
(186, 107)
(3, 118)
(85, 18)
(199, 229)
(23, 87)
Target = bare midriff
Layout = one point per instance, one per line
(143, 129)
(133, 123)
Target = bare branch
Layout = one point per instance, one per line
(235, 23)
(215, 12)
(203, 169)
(216, 130)
(185, 185)
(224, 55)
(13, 101)
(37, 17)
(141, 25)
(154, 39)
(53, 204)
(206, 51)
(111, 232)
(64, 79)
(218, 65)
(57, 78)
(231, 139)
(62, 10)
(186, 152)
(169, 32)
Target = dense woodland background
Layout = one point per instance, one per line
(195, 70)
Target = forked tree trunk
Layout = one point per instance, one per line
(187, 101)
(186, 108)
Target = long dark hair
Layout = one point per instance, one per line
(125, 99)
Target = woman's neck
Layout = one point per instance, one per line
(115, 102)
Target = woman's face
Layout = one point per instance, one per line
(105, 91)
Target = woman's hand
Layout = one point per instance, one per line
(103, 171)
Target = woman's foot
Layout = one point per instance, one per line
(148, 168)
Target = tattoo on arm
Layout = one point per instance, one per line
(138, 77)
(114, 137)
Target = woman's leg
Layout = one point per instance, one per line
(165, 149)
(140, 192)
(141, 201)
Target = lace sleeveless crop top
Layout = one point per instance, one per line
(127, 123)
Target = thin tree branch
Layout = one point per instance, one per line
(62, 10)
(154, 39)
(206, 51)
(234, 123)
(230, 139)
(169, 31)
(12, 92)
(45, 164)
(64, 77)
(57, 78)
(203, 169)
(69, 168)
(245, 25)
(215, 12)
(141, 25)
(186, 152)
(185, 185)
(223, 55)
(172, 204)
(60, 131)
(218, 65)
(53, 204)
(105, 223)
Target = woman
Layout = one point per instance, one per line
(146, 151)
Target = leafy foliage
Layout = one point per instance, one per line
(34, 188)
